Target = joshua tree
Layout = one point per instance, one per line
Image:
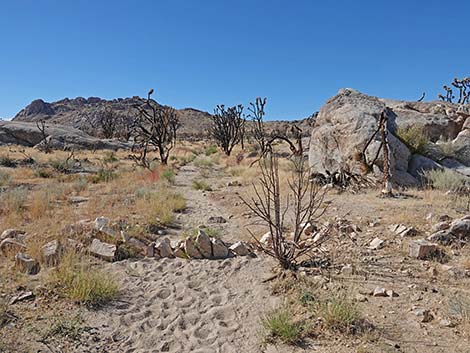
(257, 114)
(463, 85)
(228, 127)
(41, 125)
(155, 128)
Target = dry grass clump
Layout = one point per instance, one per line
(159, 204)
(415, 137)
(445, 179)
(280, 325)
(77, 280)
(459, 307)
(201, 185)
(5, 178)
(339, 313)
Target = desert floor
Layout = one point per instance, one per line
(181, 305)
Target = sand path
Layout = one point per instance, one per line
(176, 305)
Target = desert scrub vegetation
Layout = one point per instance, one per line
(5, 178)
(204, 163)
(7, 161)
(14, 200)
(458, 308)
(415, 137)
(78, 280)
(338, 313)
(201, 185)
(159, 204)
(445, 179)
(280, 325)
(209, 150)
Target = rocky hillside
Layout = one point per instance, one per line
(72, 112)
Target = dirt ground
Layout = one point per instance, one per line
(179, 305)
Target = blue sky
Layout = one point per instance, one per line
(206, 52)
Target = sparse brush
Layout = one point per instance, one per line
(415, 137)
(159, 204)
(110, 157)
(459, 307)
(43, 173)
(210, 150)
(82, 283)
(40, 203)
(5, 178)
(60, 165)
(338, 313)
(201, 185)
(203, 163)
(104, 175)
(80, 185)
(280, 325)
(168, 175)
(6, 161)
(445, 179)
(14, 200)
(71, 328)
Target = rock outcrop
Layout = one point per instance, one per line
(348, 120)
(58, 137)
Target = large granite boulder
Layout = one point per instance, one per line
(344, 125)
(348, 120)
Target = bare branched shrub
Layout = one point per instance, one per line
(155, 130)
(228, 127)
(271, 205)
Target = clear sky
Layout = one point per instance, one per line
(200, 53)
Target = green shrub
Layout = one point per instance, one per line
(168, 175)
(60, 165)
(280, 325)
(110, 157)
(415, 137)
(45, 173)
(104, 175)
(210, 150)
(445, 179)
(6, 161)
(201, 185)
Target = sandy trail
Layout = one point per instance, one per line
(176, 305)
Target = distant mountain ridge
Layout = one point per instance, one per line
(72, 111)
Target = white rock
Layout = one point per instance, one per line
(240, 248)
(51, 253)
(101, 222)
(266, 239)
(376, 243)
(421, 249)
(103, 250)
(379, 292)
